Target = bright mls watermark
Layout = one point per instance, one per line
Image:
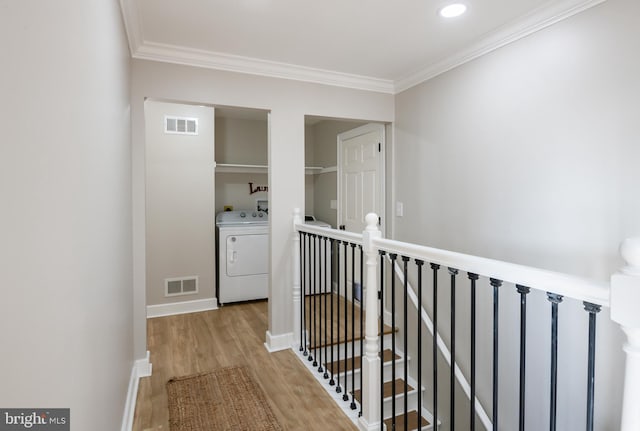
(34, 419)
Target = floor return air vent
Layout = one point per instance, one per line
(181, 286)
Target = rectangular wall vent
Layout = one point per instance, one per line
(180, 125)
(181, 286)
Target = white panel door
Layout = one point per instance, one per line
(360, 191)
(360, 175)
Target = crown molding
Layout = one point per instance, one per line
(235, 63)
(541, 18)
(552, 12)
(132, 26)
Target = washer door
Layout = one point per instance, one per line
(247, 254)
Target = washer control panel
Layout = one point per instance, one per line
(242, 217)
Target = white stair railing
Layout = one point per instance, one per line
(622, 295)
(625, 300)
(370, 419)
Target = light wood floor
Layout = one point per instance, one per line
(233, 335)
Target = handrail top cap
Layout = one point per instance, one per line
(371, 219)
(630, 251)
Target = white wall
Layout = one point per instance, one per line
(309, 181)
(233, 189)
(65, 223)
(240, 141)
(325, 189)
(529, 154)
(288, 101)
(180, 202)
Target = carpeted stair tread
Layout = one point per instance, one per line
(339, 365)
(412, 422)
(387, 389)
(340, 339)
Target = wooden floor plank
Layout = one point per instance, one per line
(233, 335)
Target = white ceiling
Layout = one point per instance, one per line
(379, 45)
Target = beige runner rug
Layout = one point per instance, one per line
(227, 399)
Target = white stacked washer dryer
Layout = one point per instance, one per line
(242, 264)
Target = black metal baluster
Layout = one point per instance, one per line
(337, 363)
(353, 327)
(435, 267)
(555, 299)
(592, 309)
(381, 317)
(316, 287)
(345, 395)
(301, 235)
(312, 288)
(419, 264)
(405, 340)
(304, 292)
(320, 296)
(472, 410)
(327, 292)
(393, 257)
(362, 320)
(496, 284)
(523, 291)
(331, 380)
(453, 272)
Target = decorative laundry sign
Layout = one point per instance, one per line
(257, 189)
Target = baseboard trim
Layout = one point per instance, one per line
(184, 307)
(364, 425)
(275, 343)
(331, 390)
(141, 368)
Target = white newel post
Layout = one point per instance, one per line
(295, 243)
(370, 419)
(625, 310)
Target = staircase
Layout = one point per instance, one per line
(335, 358)
(329, 265)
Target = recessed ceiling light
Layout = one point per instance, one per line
(453, 10)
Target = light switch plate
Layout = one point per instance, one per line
(333, 204)
(399, 209)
